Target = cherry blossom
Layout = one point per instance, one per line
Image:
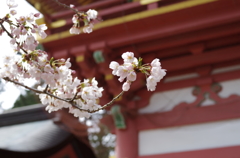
(128, 70)
(128, 57)
(88, 29)
(13, 12)
(74, 30)
(41, 30)
(11, 4)
(126, 86)
(114, 66)
(92, 14)
(87, 18)
(61, 89)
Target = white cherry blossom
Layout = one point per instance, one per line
(156, 63)
(30, 18)
(151, 83)
(92, 14)
(13, 12)
(62, 90)
(11, 4)
(114, 66)
(132, 76)
(74, 30)
(75, 19)
(128, 57)
(88, 29)
(41, 30)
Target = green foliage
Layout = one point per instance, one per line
(29, 98)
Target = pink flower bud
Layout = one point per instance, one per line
(73, 72)
(37, 15)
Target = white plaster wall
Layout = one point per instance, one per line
(230, 87)
(191, 137)
(180, 77)
(167, 100)
(226, 69)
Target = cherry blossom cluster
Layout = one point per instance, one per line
(22, 28)
(59, 80)
(87, 18)
(62, 89)
(128, 71)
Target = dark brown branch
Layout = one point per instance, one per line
(46, 88)
(74, 96)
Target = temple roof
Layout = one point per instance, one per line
(29, 129)
(31, 137)
(32, 132)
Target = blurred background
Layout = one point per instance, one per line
(194, 112)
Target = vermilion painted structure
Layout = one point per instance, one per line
(198, 42)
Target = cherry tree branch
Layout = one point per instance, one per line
(108, 104)
(66, 6)
(10, 35)
(70, 101)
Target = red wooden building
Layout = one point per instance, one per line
(195, 111)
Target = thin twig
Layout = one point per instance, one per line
(10, 35)
(32, 89)
(45, 91)
(46, 88)
(108, 104)
(66, 6)
(71, 102)
(74, 96)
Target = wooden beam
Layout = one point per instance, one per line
(186, 38)
(194, 81)
(210, 57)
(188, 116)
(95, 5)
(167, 14)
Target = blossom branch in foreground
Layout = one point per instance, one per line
(70, 101)
(62, 89)
(66, 6)
(8, 33)
(132, 65)
(86, 17)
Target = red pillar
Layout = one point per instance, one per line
(127, 140)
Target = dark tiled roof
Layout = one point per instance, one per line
(23, 115)
(29, 129)
(31, 137)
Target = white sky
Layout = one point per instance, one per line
(12, 92)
